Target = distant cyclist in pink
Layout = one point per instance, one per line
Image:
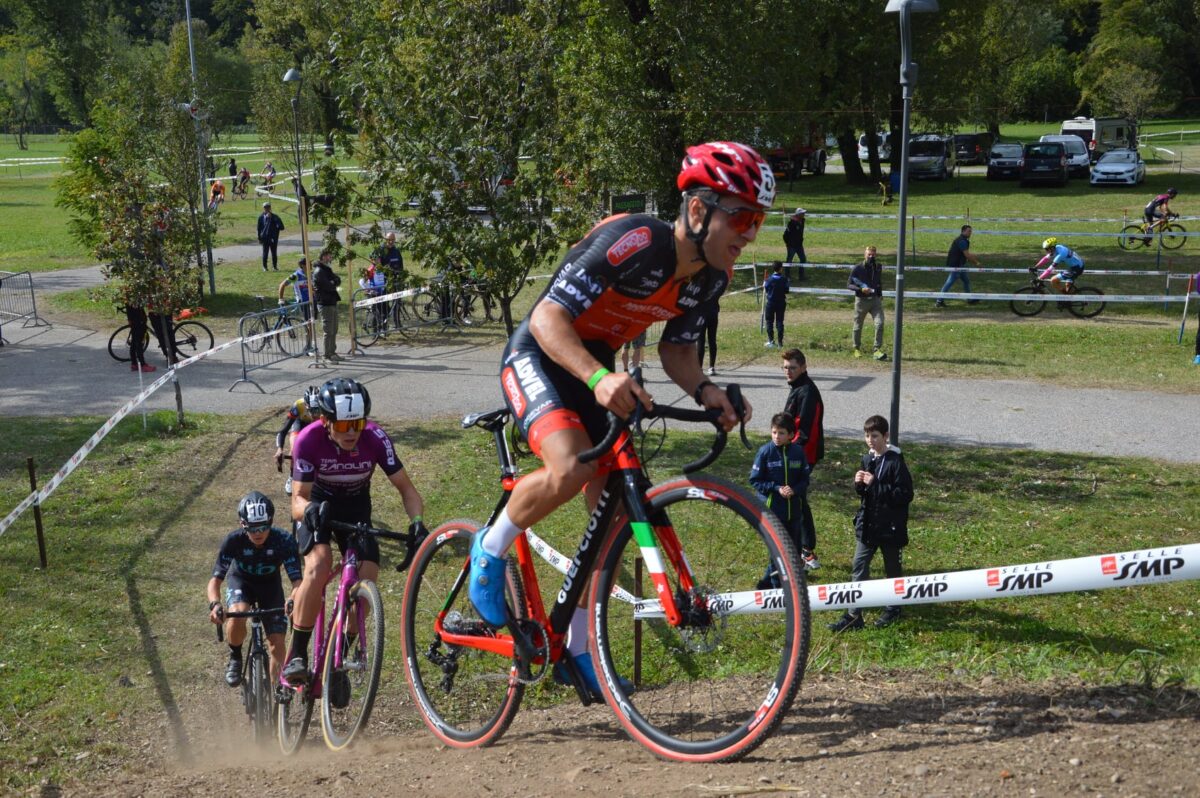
(557, 373)
(332, 466)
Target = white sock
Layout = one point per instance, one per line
(577, 632)
(501, 535)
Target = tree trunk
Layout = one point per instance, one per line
(848, 145)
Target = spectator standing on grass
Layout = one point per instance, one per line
(885, 490)
(866, 281)
(805, 406)
(269, 228)
(135, 314)
(775, 291)
(793, 239)
(780, 475)
(956, 260)
(710, 332)
(638, 345)
(325, 289)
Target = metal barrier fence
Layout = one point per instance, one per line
(17, 302)
(271, 336)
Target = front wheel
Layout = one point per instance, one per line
(260, 681)
(1031, 306)
(716, 685)
(427, 307)
(352, 666)
(1132, 236)
(1087, 308)
(1173, 236)
(368, 322)
(467, 696)
(257, 327)
(118, 344)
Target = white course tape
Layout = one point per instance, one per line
(375, 300)
(25, 504)
(1051, 297)
(978, 270)
(1098, 572)
(561, 563)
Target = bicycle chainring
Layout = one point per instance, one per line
(703, 628)
(535, 634)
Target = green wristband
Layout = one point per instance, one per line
(594, 380)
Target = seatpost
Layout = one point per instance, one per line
(508, 468)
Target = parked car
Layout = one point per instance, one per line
(972, 147)
(1004, 161)
(884, 142)
(1103, 133)
(1119, 168)
(1079, 162)
(931, 156)
(1044, 162)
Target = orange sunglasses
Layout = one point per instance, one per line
(348, 424)
(741, 220)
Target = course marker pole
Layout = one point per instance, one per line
(37, 512)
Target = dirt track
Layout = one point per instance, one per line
(901, 736)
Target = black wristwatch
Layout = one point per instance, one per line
(696, 394)
(212, 604)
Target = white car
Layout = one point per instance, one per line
(1119, 168)
(1078, 159)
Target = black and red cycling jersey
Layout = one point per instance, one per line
(614, 283)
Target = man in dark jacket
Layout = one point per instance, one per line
(269, 228)
(775, 291)
(325, 290)
(866, 281)
(804, 404)
(793, 239)
(885, 489)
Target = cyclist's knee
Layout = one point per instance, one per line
(318, 563)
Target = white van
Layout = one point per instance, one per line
(1079, 161)
(1102, 133)
(884, 141)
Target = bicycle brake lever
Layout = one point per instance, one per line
(734, 394)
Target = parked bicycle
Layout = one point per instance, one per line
(455, 298)
(347, 653)
(288, 326)
(1085, 307)
(381, 319)
(697, 664)
(1171, 234)
(258, 698)
(189, 338)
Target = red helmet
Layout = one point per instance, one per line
(728, 168)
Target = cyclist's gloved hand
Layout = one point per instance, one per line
(316, 516)
(279, 460)
(418, 531)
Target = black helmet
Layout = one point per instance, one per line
(1171, 192)
(312, 398)
(256, 512)
(344, 400)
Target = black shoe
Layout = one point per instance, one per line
(849, 621)
(939, 304)
(889, 617)
(233, 672)
(296, 671)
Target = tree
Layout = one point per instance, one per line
(23, 74)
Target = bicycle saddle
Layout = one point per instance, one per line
(490, 421)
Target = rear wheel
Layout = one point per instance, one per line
(466, 696)
(192, 338)
(1173, 236)
(427, 307)
(1087, 308)
(350, 684)
(288, 339)
(367, 324)
(118, 344)
(257, 327)
(1132, 237)
(715, 686)
(1031, 306)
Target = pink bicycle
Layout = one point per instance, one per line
(347, 653)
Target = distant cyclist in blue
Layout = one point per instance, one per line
(775, 291)
(1064, 259)
(298, 280)
(249, 563)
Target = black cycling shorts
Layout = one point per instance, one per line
(544, 397)
(266, 594)
(349, 510)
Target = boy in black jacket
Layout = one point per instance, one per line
(885, 490)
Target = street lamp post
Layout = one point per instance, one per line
(908, 79)
(195, 104)
(293, 76)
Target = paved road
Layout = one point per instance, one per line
(64, 370)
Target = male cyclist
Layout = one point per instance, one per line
(557, 370)
(1061, 257)
(251, 559)
(1158, 208)
(300, 414)
(332, 464)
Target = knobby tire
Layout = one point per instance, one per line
(1029, 307)
(360, 678)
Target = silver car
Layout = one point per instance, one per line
(1119, 168)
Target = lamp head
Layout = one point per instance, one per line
(915, 6)
(293, 75)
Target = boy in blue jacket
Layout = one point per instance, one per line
(780, 475)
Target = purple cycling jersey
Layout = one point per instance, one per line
(337, 472)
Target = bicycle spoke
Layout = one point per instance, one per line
(351, 676)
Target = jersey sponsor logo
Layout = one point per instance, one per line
(628, 244)
(331, 465)
(688, 302)
(304, 466)
(531, 383)
(659, 313)
(563, 286)
(509, 380)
